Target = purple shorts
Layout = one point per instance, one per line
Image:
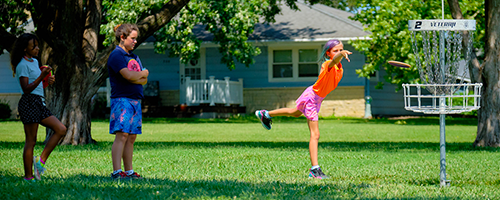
(309, 104)
(125, 116)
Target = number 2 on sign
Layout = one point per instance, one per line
(418, 24)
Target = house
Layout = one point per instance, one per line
(286, 66)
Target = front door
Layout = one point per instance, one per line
(194, 69)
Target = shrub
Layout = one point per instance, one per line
(98, 107)
(5, 110)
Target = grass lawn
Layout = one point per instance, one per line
(237, 158)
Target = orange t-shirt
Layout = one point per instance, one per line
(328, 79)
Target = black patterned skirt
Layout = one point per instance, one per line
(32, 108)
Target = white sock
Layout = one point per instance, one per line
(314, 167)
(129, 172)
(117, 171)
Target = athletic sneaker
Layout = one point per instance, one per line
(135, 175)
(266, 122)
(317, 173)
(39, 170)
(32, 180)
(120, 176)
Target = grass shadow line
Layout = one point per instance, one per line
(334, 146)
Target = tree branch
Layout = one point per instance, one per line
(149, 25)
(91, 31)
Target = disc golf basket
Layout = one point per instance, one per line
(442, 59)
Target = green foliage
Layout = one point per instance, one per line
(391, 40)
(347, 5)
(367, 159)
(13, 15)
(12, 18)
(115, 13)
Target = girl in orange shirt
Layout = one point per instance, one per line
(310, 101)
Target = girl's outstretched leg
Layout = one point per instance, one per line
(59, 131)
(265, 116)
(315, 171)
(292, 112)
(30, 131)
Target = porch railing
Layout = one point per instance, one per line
(214, 91)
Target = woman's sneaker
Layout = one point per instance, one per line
(39, 170)
(317, 173)
(32, 180)
(266, 122)
(120, 176)
(135, 175)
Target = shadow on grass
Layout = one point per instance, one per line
(414, 121)
(302, 119)
(102, 187)
(333, 146)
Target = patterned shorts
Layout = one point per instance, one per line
(32, 109)
(309, 104)
(125, 116)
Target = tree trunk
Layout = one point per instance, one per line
(488, 129)
(73, 108)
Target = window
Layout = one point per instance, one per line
(283, 64)
(293, 64)
(308, 66)
(194, 73)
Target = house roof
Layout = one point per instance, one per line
(310, 23)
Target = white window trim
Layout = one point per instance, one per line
(295, 62)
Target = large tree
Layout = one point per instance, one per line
(388, 22)
(76, 38)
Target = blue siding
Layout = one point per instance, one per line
(8, 84)
(386, 101)
(350, 77)
(161, 68)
